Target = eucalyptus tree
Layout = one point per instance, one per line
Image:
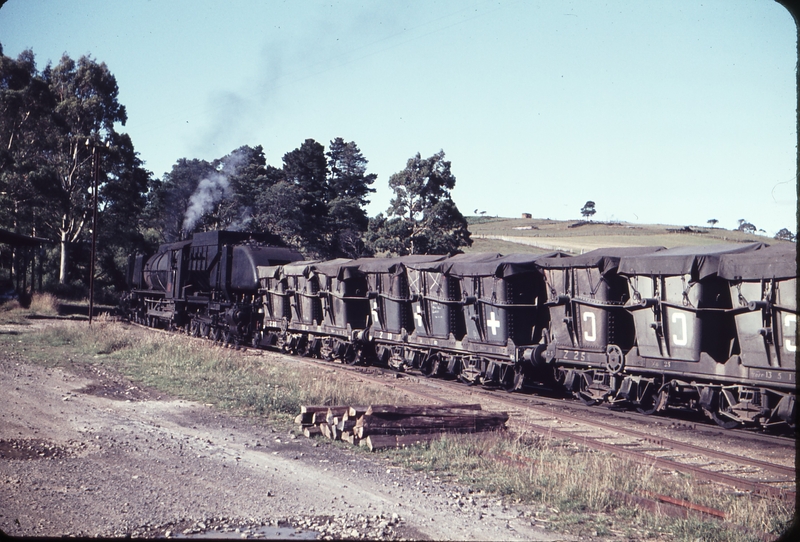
(86, 111)
(55, 125)
(422, 217)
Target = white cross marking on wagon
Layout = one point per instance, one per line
(413, 281)
(493, 323)
(434, 287)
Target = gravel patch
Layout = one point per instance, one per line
(88, 453)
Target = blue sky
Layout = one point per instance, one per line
(667, 112)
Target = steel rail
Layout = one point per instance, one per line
(758, 488)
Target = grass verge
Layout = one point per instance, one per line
(572, 487)
(42, 305)
(576, 488)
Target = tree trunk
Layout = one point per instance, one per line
(62, 272)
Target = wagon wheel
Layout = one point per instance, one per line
(513, 380)
(465, 380)
(352, 355)
(650, 402)
(719, 416)
(397, 360)
(282, 344)
(725, 423)
(302, 347)
(429, 365)
(204, 330)
(584, 394)
(326, 350)
(367, 355)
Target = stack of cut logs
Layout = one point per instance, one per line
(390, 426)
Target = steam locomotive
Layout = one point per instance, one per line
(710, 328)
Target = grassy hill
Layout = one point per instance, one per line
(507, 235)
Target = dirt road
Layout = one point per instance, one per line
(85, 452)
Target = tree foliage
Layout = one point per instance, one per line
(785, 235)
(314, 202)
(54, 125)
(588, 210)
(169, 198)
(422, 217)
(746, 226)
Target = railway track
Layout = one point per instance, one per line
(741, 471)
(641, 439)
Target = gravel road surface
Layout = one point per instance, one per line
(86, 452)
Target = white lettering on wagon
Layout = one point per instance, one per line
(790, 324)
(683, 338)
(589, 315)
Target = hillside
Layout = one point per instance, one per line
(507, 235)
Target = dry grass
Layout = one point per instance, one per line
(580, 485)
(572, 487)
(255, 383)
(44, 304)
